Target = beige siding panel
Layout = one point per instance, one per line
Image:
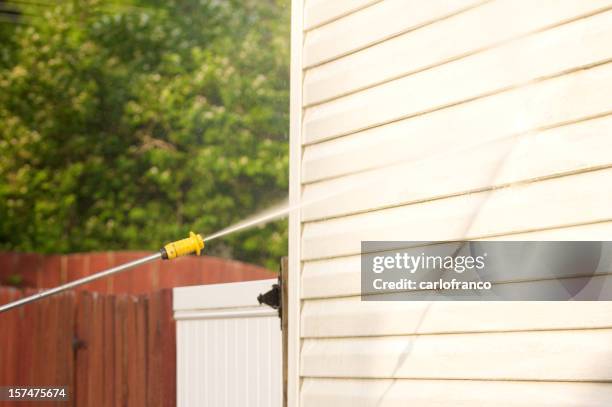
(499, 107)
(544, 104)
(452, 393)
(349, 317)
(561, 150)
(462, 80)
(319, 12)
(373, 24)
(539, 205)
(576, 355)
(474, 30)
(344, 272)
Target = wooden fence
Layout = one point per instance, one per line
(43, 271)
(110, 350)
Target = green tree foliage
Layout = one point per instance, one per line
(125, 126)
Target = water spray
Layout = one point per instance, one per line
(273, 213)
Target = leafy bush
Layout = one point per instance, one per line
(125, 126)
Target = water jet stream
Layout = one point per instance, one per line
(283, 209)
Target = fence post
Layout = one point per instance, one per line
(284, 278)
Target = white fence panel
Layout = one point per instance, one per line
(228, 346)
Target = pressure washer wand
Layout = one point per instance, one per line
(193, 244)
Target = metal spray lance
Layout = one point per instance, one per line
(193, 244)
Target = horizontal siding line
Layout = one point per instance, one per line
(489, 236)
(449, 356)
(340, 16)
(503, 356)
(466, 332)
(458, 57)
(388, 37)
(490, 188)
(494, 283)
(530, 82)
(502, 139)
(479, 379)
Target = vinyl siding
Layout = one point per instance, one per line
(449, 120)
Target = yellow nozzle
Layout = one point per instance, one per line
(193, 244)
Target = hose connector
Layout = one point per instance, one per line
(193, 244)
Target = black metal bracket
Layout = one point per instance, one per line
(271, 298)
(275, 297)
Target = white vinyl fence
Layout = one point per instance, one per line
(228, 346)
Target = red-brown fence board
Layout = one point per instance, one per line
(64, 372)
(154, 395)
(51, 271)
(110, 350)
(132, 356)
(81, 335)
(29, 267)
(135, 281)
(6, 264)
(76, 268)
(8, 342)
(120, 359)
(38, 271)
(168, 349)
(96, 326)
(28, 321)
